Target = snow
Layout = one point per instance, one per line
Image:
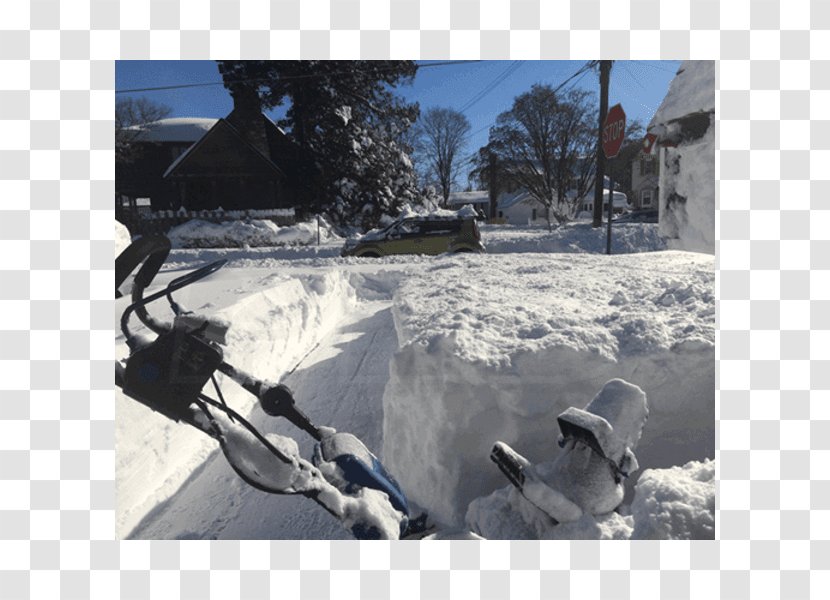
(572, 237)
(687, 173)
(692, 90)
(518, 342)
(197, 233)
(122, 237)
(676, 503)
(429, 361)
(178, 129)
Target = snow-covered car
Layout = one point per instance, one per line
(639, 216)
(421, 234)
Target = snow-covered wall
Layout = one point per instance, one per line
(687, 170)
(511, 348)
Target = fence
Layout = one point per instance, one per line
(162, 221)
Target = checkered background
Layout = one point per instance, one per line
(57, 496)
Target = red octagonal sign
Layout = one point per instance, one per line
(613, 132)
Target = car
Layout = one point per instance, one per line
(420, 234)
(639, 216)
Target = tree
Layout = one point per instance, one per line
(490, 173)
(347, 120)
(130, 112)
(441, 134)
(545, 141)
(629, 153)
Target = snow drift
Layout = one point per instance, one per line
(515, 344)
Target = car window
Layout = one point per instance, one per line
(409, 228)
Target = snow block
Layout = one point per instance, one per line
(676, 503)
(495, 349)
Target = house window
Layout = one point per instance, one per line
(645, 198)
(533, 216)
(646, 165)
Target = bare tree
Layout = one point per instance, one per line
(130, 112)
(545, 143)
(441, 137)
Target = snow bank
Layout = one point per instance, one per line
(251, 232)
(276, 319)
(687, 192)
(687, 173)
(676, 503)
(572, 237)
(122, 237)
(515, 344)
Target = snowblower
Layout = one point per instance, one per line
(168, 375)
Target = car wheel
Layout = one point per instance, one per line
(460, 250)
(370, 255)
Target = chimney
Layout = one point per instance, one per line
(247, 118)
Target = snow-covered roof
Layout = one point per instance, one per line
(474, 197)
(508, 200)
(691, 91)
(179, 129)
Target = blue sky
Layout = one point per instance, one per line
(638, 85)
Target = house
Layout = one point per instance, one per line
(682, 134)
(152, 148)
(242, 161)
(645, 181)
(518, 207)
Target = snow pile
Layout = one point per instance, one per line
(685, 125)
(197, 233)
(514, 345)
(687, 190)
(122, 237)
(676, 503)
(572, 237)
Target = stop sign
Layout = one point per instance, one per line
(613, 132)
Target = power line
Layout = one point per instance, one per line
(285, 78)
(579, 74)
(512, 68)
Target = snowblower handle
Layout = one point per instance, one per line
(152, 250)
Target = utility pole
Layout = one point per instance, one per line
(493, 184)
(599, 182)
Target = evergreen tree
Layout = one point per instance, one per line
(346, 117)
